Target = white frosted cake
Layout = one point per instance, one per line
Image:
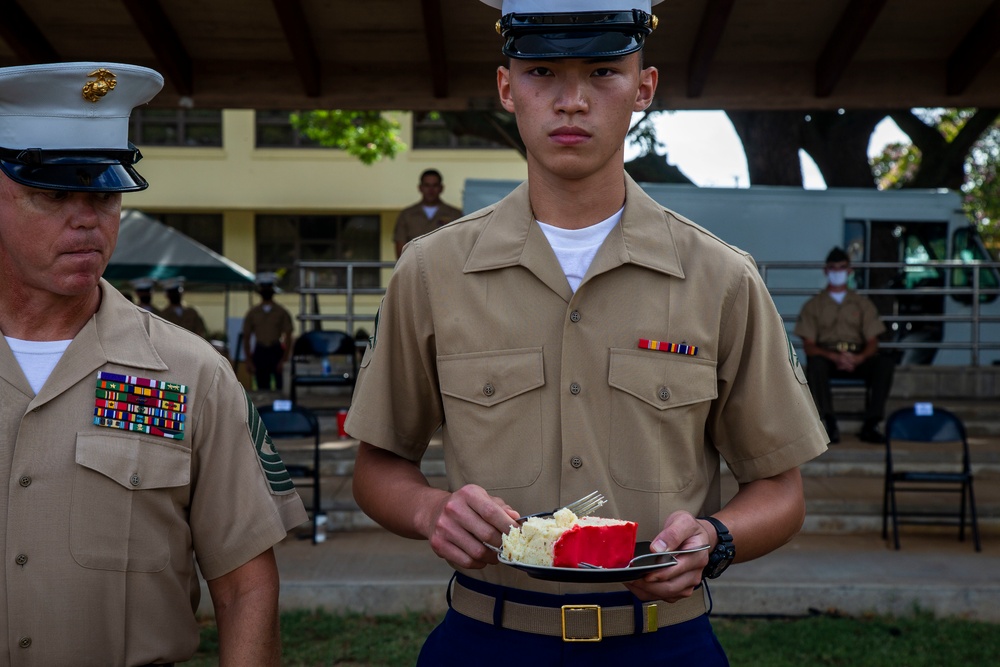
(564, 540)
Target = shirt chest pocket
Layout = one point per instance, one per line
(659, 406)
(129, 496)
(493, 410)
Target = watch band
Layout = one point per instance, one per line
(722, 555)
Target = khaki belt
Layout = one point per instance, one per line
(577, 622)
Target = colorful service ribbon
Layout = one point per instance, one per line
(142, 405)
(663, 346)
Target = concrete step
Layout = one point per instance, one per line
(843, 487)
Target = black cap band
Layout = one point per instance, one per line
(575, 35)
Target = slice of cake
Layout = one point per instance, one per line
(564, 540)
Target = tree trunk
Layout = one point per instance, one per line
(838, 143)
(771, 140)
(942, 163)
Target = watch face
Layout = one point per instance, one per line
(719, 560)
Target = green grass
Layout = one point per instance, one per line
(314, 639)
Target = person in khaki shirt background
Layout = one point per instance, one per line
(839, 329)
(267, 336)
(144, 294)
(578, 336)
(177, 313)
(131, 455)
(426, 215)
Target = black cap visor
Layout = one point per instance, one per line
(77, 171)
(573, 45)
(583, 35)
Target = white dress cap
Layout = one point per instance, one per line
(552, 6)
(266, 278)
(176, 283)
(547, 29)
(64, 126)
(70, 106)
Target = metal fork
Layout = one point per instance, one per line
(581, 507)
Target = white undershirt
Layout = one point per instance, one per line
(37, 358)
(430, 211)
(575, 248)
(837, 296)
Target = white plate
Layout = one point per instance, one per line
(596, 576)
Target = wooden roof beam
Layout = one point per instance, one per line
(174, 60)
(974, 52)
(706, 43)
(23, 37)
(844, 42)
(300, 42)
(434, 34)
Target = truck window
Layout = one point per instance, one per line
(915, 253)
(968, 248)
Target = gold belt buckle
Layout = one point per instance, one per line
(596, 608)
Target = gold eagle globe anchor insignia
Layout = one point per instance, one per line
(105, 83)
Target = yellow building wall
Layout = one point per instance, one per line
(239, 180)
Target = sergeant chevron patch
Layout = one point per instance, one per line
(270, 461)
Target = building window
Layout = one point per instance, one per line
(430, 131)
(205, 228)
(176, 127)
(274, 130)
(283, 240)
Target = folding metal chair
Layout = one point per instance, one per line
(945, 469)
(312, 356)
(299, 422)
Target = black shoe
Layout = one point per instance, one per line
(832, 430)
(870, 433)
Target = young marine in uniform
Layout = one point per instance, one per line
(130, 453)
(267, 336)
(578, 336)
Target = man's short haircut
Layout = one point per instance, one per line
(431, 172)
(837, 255)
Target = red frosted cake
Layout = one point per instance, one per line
(565, 540)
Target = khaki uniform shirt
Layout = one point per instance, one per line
(826, 322)
(413, 222)
(545, 395)
(187, 318)
(267, 326)
(100, 527)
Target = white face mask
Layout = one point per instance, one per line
(837, 278)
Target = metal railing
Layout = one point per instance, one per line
(337, 282)
(975, 295)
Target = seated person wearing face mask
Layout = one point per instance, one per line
(839, 329)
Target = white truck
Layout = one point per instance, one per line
(914, 251)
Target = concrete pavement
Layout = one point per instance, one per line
(375, 572)
(838, 563)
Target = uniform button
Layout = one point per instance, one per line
(21, 559)
(575, 316)
(24, 642)
(24, 481)
(664, 394)
(576, 462)
(489, 390)
(574, 388)
(134, 480)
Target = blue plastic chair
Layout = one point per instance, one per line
(944, 428)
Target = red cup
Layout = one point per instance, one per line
(341, 418)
